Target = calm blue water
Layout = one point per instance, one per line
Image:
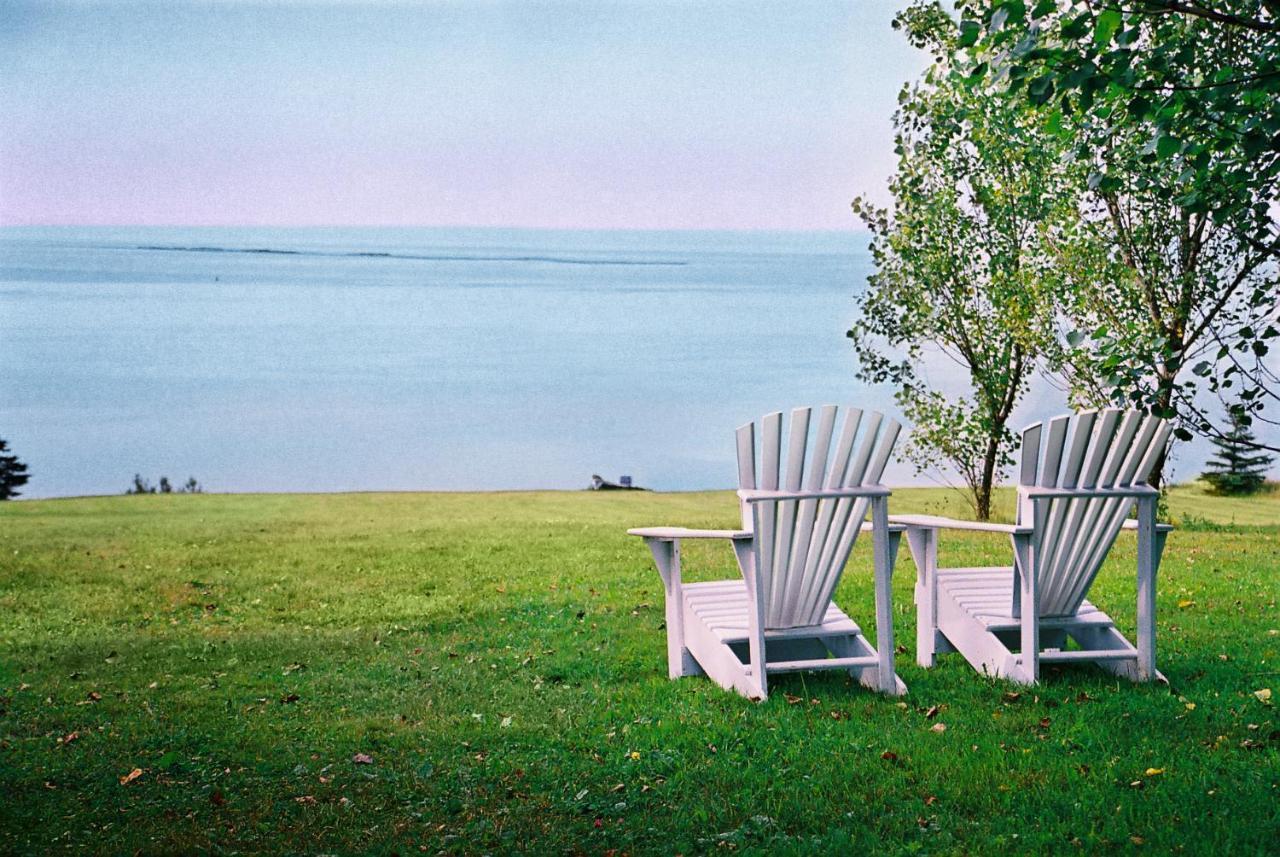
(414, 358)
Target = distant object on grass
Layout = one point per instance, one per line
(599, 483)
(1239, 466)
(13, 473)
(142, 486)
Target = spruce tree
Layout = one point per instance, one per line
(13, 473)
(1239, 467)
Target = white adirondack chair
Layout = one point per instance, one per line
(1076, 485)
(797, 531)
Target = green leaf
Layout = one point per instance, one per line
(969, 31)
(1106, 26)
(1167, 146)
(1040, 90)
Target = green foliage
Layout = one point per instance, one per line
(501, 660)
(13, 474)
(1171, 112)
(960, 267)
(1237, 468)
(141, 485)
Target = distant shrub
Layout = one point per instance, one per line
(142, 486)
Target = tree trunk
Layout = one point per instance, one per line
(982, 496)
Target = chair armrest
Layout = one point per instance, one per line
(868, 527)
(1133, 491)
(1131, 524)
(674, 533)
(936, 522)
(758, 495)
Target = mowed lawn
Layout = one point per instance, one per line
(470, 673)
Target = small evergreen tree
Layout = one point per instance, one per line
(140, 486)
(13, 473)
(1239, 466)
(165, 487)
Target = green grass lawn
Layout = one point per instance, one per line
(499, 661)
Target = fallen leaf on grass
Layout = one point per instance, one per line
(1153, 772)
(1011, 696)
(930, 800)
(131, 776)
(217, 799)
(68, 738)
(792, 700)
(362, 759)
(931, 713)
(1185, 603)
(889, 756)
(1137, 840)
(94, 696)
(305, 799)
(938, 727)
(294, 667)
(1263, 694)
(290, 698)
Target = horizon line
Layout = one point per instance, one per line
(691, 229)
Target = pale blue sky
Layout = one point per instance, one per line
(614, 115)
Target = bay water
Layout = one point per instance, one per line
(261, 359)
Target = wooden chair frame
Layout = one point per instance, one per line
(1064, 534)
(791, 552)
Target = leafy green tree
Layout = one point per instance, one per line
(1155, 296)
(960, 266)
(1171, 108)
(13, 474)
(1237, 468)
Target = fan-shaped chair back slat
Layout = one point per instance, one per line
(1091, 451)
(802, 545)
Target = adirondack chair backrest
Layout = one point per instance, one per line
(802, 545)
(1090, 450)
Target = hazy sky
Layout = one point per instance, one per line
(640, 115)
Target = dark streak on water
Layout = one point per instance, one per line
(450, 258)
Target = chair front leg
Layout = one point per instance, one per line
(923, 544)
(883, 559)
(1029, 609)
(1150, 548)
(666, 554)
(746, 554)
